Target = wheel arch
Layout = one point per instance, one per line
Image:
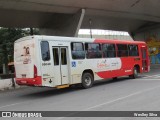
(88, 71)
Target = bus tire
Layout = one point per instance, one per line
(87, 80)
(135, 73)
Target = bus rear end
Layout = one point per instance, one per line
(25, 62)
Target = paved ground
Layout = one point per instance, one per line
(124, 94)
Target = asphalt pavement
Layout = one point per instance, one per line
(124, 94)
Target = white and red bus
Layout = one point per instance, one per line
(63, 61)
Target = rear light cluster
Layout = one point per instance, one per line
(35, 71)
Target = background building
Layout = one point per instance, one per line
(104, 34)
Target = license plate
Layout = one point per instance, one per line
(23, 81)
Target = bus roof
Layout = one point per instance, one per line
(69, 39)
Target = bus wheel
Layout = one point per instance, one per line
(87, 80)
(135, 73)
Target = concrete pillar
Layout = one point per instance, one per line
(68, 27)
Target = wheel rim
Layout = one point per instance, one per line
(87, 80)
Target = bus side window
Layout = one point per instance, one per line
(109, 50)
(122, 50)
(45, 51)
(133, 50)
(77, 50)
(93, 50)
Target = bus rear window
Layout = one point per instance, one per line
(45, 51)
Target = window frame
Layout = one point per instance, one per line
(100, 50)
(115, 50)
(46, 53)
(127, 50)
(83, 50)
(136, 51)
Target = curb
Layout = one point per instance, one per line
(7, 84)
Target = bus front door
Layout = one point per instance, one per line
(144, 59)
(60, 69)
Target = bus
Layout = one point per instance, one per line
(59, 62)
